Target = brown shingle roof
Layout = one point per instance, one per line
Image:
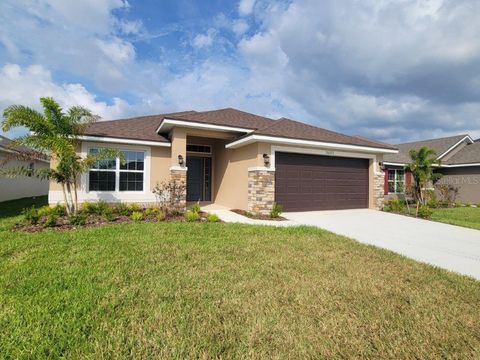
(467, 155)
(7, 144)
(297, 130)
(228, 117)
(439, 145)
(138, 128)
(145, 127)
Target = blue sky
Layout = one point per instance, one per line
(393, 70)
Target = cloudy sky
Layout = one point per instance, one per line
(393, 70)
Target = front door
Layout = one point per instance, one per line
(198, 178)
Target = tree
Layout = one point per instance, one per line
(55, 133)
(421, 168)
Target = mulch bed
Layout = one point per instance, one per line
(257, 216)
(64, 224)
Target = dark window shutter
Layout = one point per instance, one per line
(385, 184)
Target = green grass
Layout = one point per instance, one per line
(462, 216)
(15, 207)
(191, 290)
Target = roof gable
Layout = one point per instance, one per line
(440, 146)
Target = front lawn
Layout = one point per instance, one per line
(191, 290)
(462, 216)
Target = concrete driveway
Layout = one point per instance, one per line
(450, 247)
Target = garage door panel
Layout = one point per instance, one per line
(312, 182)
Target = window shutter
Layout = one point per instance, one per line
(385, 184)
(408, 179)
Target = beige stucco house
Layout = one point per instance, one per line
(234, 159)
(23, 186)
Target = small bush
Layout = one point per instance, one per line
(191, 216)
(152, 211)
(108, 214)
(196, 208)
(97, 208)
(457, 204)
(59, 210)
(425, 212)
(122, 209)
(78, 220)
(213, 218)
(51, 220)
(134, 207)
(276, 210)
(44, 211)
(31, 215)
(394, 205)
(161, 216)
(433, 203)
(136, 216)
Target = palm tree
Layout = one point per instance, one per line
(55, 133)
(421, 168)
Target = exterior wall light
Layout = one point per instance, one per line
(266, 159)
(180, 159)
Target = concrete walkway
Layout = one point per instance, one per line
(450, 247)
(447, 246)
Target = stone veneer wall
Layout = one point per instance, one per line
(179, 177)
(261, 191)
(378, 190)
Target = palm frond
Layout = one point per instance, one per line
(23, 116)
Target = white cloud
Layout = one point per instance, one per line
(25, 86)
(204, 40)
(245, 7)
(240, 26)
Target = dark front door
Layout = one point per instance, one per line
(198, 178)
(313, 182)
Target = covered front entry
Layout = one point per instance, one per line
(199, 178)
(314, 182)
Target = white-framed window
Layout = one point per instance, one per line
(396, 181)
(111, 175)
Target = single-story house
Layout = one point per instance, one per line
(459, 162)
(235, 159)
(23, 186)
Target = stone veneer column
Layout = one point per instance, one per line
(261, 190)
(178, 176)
(378, 190)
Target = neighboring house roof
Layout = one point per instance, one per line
(470, 154)
(467, 151)
(439, 145)
(7, 145)
(145, 127)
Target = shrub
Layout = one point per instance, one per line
(122, 209)
(151, 211)
(78, 220)
(457, 204)
(191, 216)
(196, 208)
(161, 216)
(424, 212)
(276, 210)
(134, 207)
(433, 203)
(97, 208)
(394, 205)
(136, 216)
(51, 220)
(213, 218)
(31, 215)
(58, 210)
(108, 214)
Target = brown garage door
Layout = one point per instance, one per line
(313, 182)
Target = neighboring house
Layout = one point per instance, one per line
(459, 162)
(22, 186)
(235, 159)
